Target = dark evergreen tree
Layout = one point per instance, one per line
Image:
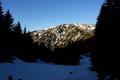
(4, 34)
(8, 21)
(17, 28)
(104, 57)
(16, 37)
(1, 25)
(10, 77)
(1, 32)
(20, 79)
(7, 30)
(24, 31)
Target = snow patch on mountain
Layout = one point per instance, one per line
(63, 34)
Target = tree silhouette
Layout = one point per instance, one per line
(14, 42)
(16, 37)
(8, 21)
(20, 79)
(1, 28)
(106, 36)
(8, 25)
(10, 77)
(17, 28)
(24, 31)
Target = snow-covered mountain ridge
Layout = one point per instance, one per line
(61, 35)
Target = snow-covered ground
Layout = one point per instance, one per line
(46, 71)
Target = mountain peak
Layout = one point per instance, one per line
(61, 35)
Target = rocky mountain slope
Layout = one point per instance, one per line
(63, 34)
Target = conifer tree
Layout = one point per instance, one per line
(24, 31)
(106, 36)
(10, 77)
(17, 29)
(8, 21)
(17, 37)
(8, 24)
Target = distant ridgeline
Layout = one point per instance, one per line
(61, 35)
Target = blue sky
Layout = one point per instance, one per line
(40, 14)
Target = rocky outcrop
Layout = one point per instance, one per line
(63, 34)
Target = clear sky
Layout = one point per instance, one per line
(40, 14)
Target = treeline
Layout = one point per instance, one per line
(71, 54)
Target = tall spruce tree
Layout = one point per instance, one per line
(8, 21)
(10, 77)
(24, 31)
(8, 24)
(17, 29)
(17, 37)
(104, 57)
(1, 31)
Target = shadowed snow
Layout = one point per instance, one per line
(45, 71)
